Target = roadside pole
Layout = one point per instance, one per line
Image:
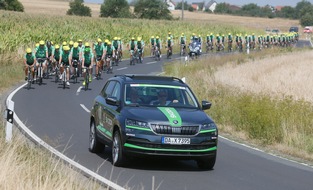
(9, 113)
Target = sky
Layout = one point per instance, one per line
(292, 3)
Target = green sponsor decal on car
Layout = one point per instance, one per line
(172, 116)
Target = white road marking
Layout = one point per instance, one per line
(84, 107)
(71, 162)
(121, 68)
(78, 90)
(151, 62)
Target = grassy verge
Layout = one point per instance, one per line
(26, 167)
(269, 120)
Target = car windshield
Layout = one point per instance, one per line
(159, 96)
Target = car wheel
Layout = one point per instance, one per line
(117, 151)
(94, 145)
(206, 163)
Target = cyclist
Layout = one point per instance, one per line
(42, 53)
(169, 45)
(200, 41)
(109, 53)
(99, 52)
(171, 37)
(75, 56)
(50, 48)
(230, 42)
(132, 47)
(117, 46)
(218, 42)
(152, 44)
(81, 45)
(65, 61)
(192, 38)
(63, 44)
(140, 48)
(87, 62)
(56, 56)
(121, 47)
(158, 44)
(182, 43)
(29, 60)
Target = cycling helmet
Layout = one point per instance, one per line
(115, 38)
(152, 36)
(118, 38)
(75, 45)
(41, 42)
(80, 40)
(48, 43)
(64, 43)
(37, 44)
(169, 33)
(106, 41)
(182, 34)
(139, 39)
(66, 48)
(133, 38)
(57, 46)
(157, 37)
(109, 43)
(71, 43)
(169, 38)
(87, 44)
(28, 50)
(99, 40)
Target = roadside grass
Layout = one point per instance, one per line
(25, 167)
(276, 121)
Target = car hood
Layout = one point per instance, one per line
(168, 115)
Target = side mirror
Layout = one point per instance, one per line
(206, 105)
(112, 101)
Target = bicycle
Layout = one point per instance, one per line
(63, 75)
(49, 69)
(133, 57)
(139, 55)
(87, 69)
(29, 80)
(182, 49)
(109, 64)
(40, 70)
(157, 54)
(169, 52)
(57, 73)
(75, 65)
(99, 65)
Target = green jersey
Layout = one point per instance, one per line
(65, 57)
(50, 50)
(109, 50)
(41, 51)
(99, 49)
(57, 53)
(116, 44)
(152, 41)
(132, 44)
(140, 44)
(87, 57)
(75, 52)
(30, 58)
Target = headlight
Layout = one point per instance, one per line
(208, 127)
(135, 123)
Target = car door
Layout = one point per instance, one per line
(112, 111)
(102, 106)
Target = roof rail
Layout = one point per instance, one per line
(152, 77)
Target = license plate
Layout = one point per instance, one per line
(173, 140)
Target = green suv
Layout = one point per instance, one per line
(143, 115)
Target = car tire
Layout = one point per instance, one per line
(206, 163)
(94, 145)
(118, 158)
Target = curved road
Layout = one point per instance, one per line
(60, 117)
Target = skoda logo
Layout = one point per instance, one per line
(175, 121)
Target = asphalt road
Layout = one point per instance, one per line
(60, 117)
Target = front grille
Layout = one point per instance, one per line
(167, 129)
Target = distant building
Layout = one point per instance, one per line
(197, 6)
(278, 8)
(211, 5)
(171, 5)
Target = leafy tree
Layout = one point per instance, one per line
(222, 8)
(306, 20)
(77, 7)
(287, 12)
(115, 9)
(300, 6)
(152, 9)
(11, 5)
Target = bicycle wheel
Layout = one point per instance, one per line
(86, 80)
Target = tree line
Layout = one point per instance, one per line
(303, 11)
